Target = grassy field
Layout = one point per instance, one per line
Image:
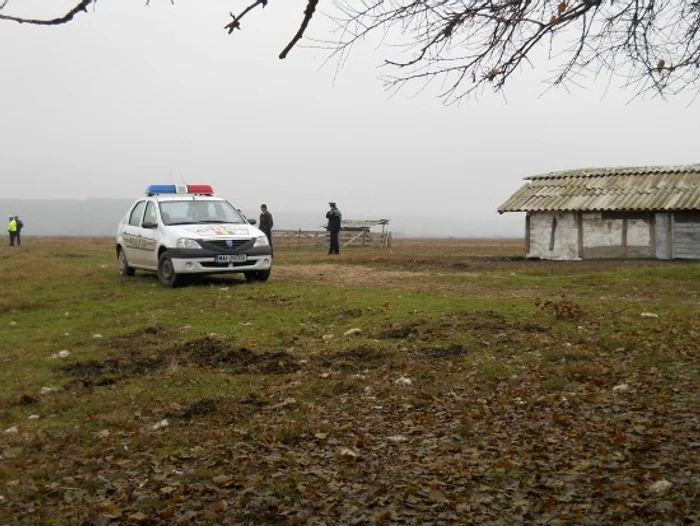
(441, 382)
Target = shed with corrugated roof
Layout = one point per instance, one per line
(642, 212)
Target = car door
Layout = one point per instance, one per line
(131, 234)
(149, 233)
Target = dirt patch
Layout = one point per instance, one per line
(349, 313)
(94, 373)
(276, 299)
(440, 353)
(202, 352)
(360, 358)
(206, 406)
(23, 400)
(26, 399)
(448, 324)
(344, 274)
(492, 321)
(214, 352)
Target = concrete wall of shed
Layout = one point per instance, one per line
(602, 238)
(553, 235)
(617, 238)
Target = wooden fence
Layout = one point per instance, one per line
(320, 238)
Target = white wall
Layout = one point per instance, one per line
(565, 236)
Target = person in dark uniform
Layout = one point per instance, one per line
(20, 226)
(266, 223)
(334, 219)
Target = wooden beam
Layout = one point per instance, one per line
(579, 227)
(527, 233)
(671, 228)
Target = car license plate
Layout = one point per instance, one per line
(230, 258)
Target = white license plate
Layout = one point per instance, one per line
(230, 258)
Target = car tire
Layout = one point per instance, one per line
(166, 271)
(257, 275)
(124, 269)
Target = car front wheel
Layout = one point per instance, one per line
(124, 269)
(166, 271)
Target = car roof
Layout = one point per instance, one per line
(183, 197)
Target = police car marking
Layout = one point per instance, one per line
(138, 242)
(218, 230)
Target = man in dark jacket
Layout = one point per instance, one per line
(334, 219)
(266, 223)
(20, 226)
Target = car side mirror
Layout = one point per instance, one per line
(149, 224)
(252, 221)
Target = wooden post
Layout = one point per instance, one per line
(579, 220)
(671, 231)
(527, 233)
(552, 235)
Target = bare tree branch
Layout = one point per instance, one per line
(308, 15)
(469, 45)
(80, 7)
(235, 23)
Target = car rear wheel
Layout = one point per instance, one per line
(257, 275)
(124, 269)
(166, 271)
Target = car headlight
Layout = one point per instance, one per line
(186, 242)
(261, 242)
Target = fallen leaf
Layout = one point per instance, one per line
(12, 452)
(437, 495)
(345, 453)
(660, 486)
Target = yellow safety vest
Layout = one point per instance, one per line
(12, 226)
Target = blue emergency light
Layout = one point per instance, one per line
(179, 189)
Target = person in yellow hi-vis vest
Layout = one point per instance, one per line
(12, 230)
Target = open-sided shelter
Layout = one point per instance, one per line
(643, 212)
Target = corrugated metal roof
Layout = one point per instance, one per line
(634, 189)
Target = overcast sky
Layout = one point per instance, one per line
(126, 96)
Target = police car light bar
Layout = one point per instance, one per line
(180, 189)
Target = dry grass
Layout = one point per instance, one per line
(274, 415)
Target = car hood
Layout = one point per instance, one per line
(216, 231)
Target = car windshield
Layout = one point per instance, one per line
(191, 212)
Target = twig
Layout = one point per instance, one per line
(235, 22)
(82, 6)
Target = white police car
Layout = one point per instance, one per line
(177, 230)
